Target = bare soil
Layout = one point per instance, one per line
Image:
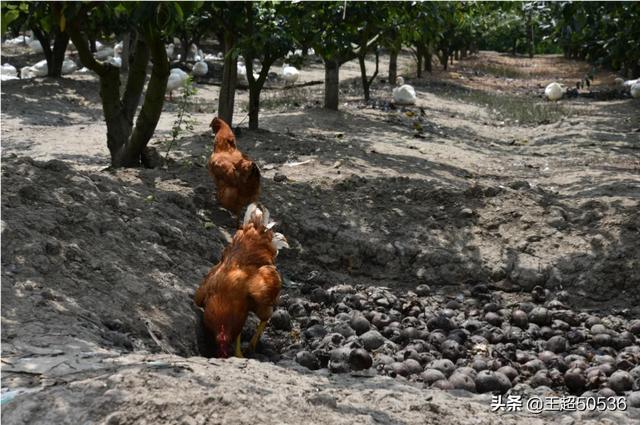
(99, 266)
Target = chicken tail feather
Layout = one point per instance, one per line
(256, 214)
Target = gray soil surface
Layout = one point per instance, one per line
(99, 266)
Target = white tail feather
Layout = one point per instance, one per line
(257, 213)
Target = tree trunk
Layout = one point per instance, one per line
(427, 60)
(419, 58)
(126, 49)
(254, 106)
(456, 56)
(366, 82)
(54, 66)
(363, 77)
(331, 84)
(126, 144)
(255, 88)
(152, 106)
(226, 98)
(393, 66)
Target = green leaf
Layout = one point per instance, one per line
(9, 17)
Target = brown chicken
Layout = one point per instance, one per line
(236, 176)
(244, 280)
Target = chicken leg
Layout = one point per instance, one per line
(238, 348)
(256, 337)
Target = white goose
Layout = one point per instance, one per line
(554, 91)
(177, 77)
(8, 72)
(40, 69)
(290, 74)
(26, 72)
(35, 46)
(200, 69)
(635, 90)
(403, 94)
(68, 66)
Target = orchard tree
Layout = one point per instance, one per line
(331, 30)
(150, 22)
(267, 37)
(228, 17)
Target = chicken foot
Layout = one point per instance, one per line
(256, 337)
(239, 348)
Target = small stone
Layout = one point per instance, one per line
(466, 212)
(423, 290)
(279, 177)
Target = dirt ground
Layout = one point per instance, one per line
(482, 182)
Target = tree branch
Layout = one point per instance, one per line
(82, 45)
(135, 79)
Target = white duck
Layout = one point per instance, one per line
(115, 61)
(26, 72)
(403, 94)
(36, 46)
(103, 53)
(290, 74)
(170, 49)
(554, 91)
(200, 69)
(8, 72)
(635, 90)
(68, 66)
(117, 49)
(177, 77)
(40, 69)
(21, 39)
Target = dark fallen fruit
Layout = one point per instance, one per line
(620, 381)
(308, 360)
(462, 381)
(487, 381)
(429, 376)
(360, 359)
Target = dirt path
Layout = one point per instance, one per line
(483, 182)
